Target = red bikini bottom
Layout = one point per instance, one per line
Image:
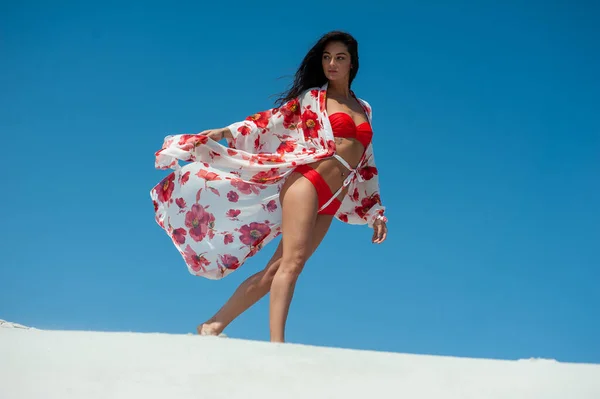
(323, 191)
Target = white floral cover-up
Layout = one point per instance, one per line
(222, 206)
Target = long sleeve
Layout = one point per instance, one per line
(363, 204)
(265, 131)
(371, 204)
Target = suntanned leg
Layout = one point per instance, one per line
(299, 205)
(246, 295)
(278, 320)
(257, 286)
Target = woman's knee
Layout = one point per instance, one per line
(287, 264)
(271, 270)
(293, 263)
(274, 262)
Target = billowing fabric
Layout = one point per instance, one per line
(222, 206)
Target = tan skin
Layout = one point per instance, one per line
(302, 229)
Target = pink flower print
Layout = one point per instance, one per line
(286, 146)
(207, 175)
(322, 99)
(166, 187)
(229, 261)
(180, 203)
(184, 178)
(271, 206)
(179, 235)
(254, 233)
(261, 119)
(262, 158)
(228, 238)
(196, 261)
(366, 204)
(257, 143)
(291, 114)
(233, 214)
(310, 125)
(264, 176)
(368, 172)
(198, 221)
(190, 141)
(244, 130)
(242, 186)
(232, 196)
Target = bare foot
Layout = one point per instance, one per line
(210, 328)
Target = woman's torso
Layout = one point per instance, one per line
(350, 149)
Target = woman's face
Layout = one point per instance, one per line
(336, 62)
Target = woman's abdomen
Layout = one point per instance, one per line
(332, 170)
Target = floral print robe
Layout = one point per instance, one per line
(222, 207)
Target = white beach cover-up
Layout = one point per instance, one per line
(222, 206)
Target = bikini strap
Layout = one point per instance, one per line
(343, 162)
(347, 180)
(338, 192)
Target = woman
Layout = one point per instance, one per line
(288, 170)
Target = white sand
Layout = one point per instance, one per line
(87, 365)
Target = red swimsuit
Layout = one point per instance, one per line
(342, 125)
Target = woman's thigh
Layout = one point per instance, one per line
(322, 224)
(299, 206)
(333, 173)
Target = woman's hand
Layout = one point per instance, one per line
(217, 134)
(379, 231)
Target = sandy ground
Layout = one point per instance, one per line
(78, 364)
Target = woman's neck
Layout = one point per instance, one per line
(338, 89)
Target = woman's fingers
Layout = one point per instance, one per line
(384, 234)
(375, 234)
(379, 232)
(214, 134)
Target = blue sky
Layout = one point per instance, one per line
(487, 137)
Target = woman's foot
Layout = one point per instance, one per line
(210, 328)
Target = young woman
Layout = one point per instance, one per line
(288, 170)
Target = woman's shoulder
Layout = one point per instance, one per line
(364, 103)
(358, 98)
(312, 92)
(308, 94)
(312, 97)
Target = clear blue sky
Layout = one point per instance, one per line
(487, 135)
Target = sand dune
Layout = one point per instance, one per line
(87, 365)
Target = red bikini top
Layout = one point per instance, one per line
(343, 125)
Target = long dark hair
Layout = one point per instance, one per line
(310, 73)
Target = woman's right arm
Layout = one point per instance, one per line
(251, 133)
(218, 134)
